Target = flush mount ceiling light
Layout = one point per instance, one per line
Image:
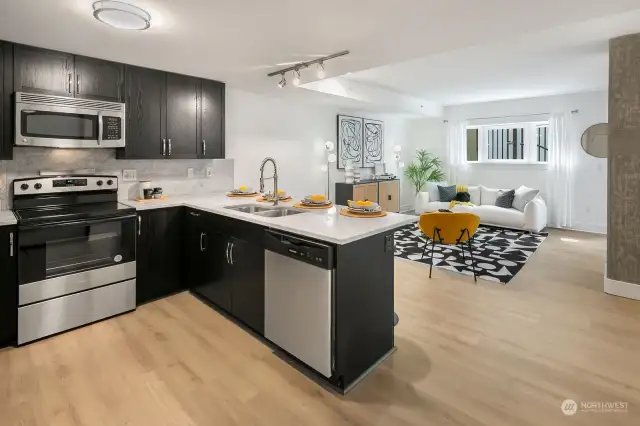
(302, 65)
(121, 15)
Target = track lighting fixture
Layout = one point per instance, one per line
(296, 77)
(320, 72)
(283, 82)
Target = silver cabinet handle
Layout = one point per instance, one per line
(10, 244)
(70, 81)
(204, 147)
(139, 224)
(231, 253)
(194, 214)
(169, 145)
(77, 84)
(164, 147)
(201, 241)
(227, 251)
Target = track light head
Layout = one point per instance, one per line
(296, 77)
(283, 82)
(321, 73)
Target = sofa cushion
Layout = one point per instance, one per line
(488, 196)
(432, 189)
(447, 193)
(505, 198)
(474, 192)
(494, 215)
(523, 196)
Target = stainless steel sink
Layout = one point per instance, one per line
(265, 211)
(279, 212)
(249, 208)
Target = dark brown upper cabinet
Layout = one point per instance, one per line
(98, 79)
(63, 74)
(43, 71)
(182, 116)
(145, 108)
(6, 106)
(172, 116)
(211, 137)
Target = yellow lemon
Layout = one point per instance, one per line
(242, 188)
(317, 197)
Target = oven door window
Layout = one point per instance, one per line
(58, 125)
(67, 249)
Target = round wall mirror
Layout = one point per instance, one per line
(595, 140)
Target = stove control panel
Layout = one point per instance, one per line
(57, 184)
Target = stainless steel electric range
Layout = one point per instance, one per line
(76, 253)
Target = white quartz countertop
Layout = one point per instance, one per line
(7, 218)
(326, 225)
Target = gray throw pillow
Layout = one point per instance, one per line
(447, 193)
(505, 198)
(523, 196)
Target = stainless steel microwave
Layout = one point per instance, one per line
(61, 122)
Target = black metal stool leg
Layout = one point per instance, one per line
(473, 268)
(433, 245)
(424, 250)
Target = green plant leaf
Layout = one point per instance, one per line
(427, 168)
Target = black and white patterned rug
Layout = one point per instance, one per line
(498, 253)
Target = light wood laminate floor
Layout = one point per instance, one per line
(483, 354)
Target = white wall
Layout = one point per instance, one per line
(589, 190)
(293, 134)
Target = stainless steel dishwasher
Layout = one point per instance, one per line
(299, 281)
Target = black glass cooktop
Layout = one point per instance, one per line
(45, 215)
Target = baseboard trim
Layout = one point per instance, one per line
(622, 289)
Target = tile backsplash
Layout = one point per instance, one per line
(170, 175)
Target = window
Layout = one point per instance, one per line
(526, 142)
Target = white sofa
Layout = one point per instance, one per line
(533, 218)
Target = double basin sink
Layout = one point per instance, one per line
(265, 211)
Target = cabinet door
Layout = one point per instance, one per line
(212, 122)
(145, 100)
(6, 108)
(390, 196)
(217, 274)
(371, 192)
(43, 71)
(247, 287)
(182, 116)
(159, 254)
(98, 79)
(359, 193)
(8, 286)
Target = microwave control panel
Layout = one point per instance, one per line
(111, 128)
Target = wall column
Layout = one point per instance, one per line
(623, 233)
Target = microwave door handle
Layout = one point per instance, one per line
(99, 128)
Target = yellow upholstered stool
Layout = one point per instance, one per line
(448, 229)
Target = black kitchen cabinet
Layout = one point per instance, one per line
(8, 286)
(6, 104)
(145, 100)
(212, 130)
(207, 263)
(159, 253)
(247, 283)
(182, 116)
(98, 79)
(43, 71)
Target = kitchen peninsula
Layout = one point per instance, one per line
(228, 254)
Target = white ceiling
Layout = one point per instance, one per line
(241, 41)
(565, 59)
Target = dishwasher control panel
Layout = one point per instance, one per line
(314, 253)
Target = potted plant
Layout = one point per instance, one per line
(427, 168)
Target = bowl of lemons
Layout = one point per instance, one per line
(316, 200)
(363, 206)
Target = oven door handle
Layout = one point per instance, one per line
(76, 222)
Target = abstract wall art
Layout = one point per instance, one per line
(350, 141)
(373, 148)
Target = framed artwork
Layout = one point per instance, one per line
(373, 142)
(350, 141)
